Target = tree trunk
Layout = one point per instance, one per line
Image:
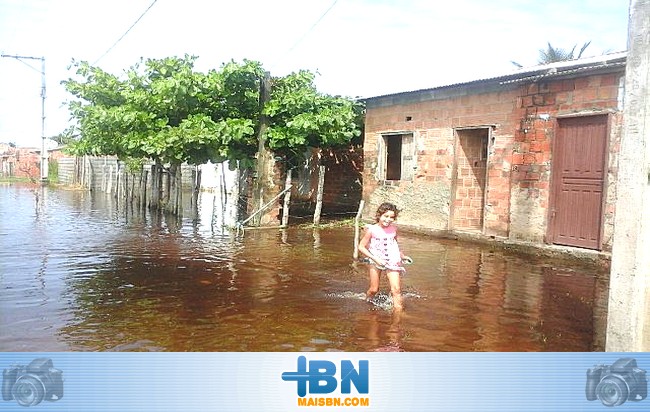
(156, 185)
(143, 188)
(173, 195)
(195, 190)
(260, 179)
(178, 198)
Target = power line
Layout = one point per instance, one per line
(127, 32)
(312, 27)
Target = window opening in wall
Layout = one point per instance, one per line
(398, 156)
(394, 157)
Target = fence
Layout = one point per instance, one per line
(103, 173)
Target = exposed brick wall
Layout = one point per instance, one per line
(24, 162)
(539, 106)
(20, 162)
(471, 179)
(342, 182)
(427, 200)
(522, 118)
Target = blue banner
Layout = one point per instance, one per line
(125, 381)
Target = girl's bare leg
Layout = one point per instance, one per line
(395, 288)
(373, 287)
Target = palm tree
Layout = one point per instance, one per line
(555, 54)
(552, 54)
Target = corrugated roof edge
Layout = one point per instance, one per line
(533, 72)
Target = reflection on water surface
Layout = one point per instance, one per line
(78, 273)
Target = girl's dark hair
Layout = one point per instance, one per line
(385, 207)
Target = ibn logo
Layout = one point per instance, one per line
(320, 377)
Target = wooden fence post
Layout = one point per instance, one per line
(319, 195)
(287, 198)
(355, 254)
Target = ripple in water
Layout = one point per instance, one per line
(77, 272)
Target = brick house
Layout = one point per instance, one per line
(529, 156)
(19, 162)
(24, 162)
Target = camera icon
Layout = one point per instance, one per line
(31, 384)
(615, 384)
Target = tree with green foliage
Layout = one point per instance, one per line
(553, 54)
(301, 117)
(166, 111)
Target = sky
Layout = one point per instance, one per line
(359, 48)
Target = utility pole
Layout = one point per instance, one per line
(44, 165)
(260, 182)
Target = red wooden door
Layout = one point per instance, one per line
(579, 157)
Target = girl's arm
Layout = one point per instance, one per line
(363, 248)
(363, 244)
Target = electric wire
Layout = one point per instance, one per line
(125, 33)
(313, 26)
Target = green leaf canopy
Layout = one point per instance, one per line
(166, 111)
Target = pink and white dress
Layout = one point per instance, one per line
(383, 244)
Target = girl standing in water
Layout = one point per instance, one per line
(379, 244)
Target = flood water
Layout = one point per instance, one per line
(79, 273)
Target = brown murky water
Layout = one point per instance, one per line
(79, 274)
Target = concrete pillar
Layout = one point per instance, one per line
(628, 323)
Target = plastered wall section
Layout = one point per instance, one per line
(426, 201)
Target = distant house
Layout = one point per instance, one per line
(23, 162)
(528, 156)
(7, 160)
